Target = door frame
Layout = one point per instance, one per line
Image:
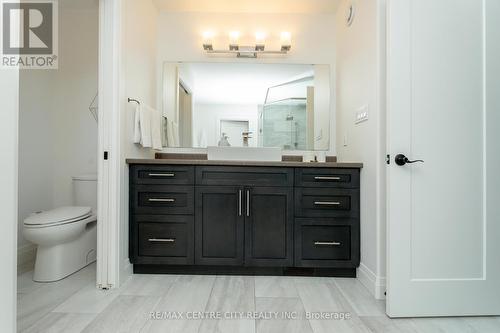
(109, 183)
(235, 119)
(108, 171)
(9, 127)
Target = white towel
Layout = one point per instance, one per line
(170, 134)
(148, 127)
(175, 127)
(137, 125)
(145, 115)
(164, 130)
(156, 129)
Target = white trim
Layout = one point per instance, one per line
(9, 127)
(108, 247)
(375, 284)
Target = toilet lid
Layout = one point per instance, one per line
(58, 215)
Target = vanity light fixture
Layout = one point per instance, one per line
(247, 51)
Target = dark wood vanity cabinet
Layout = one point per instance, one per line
(240, 216)
(269, 226)
(219, 226)
(250, 226)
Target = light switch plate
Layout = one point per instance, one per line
(361, 114)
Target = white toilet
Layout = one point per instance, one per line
(66, 237)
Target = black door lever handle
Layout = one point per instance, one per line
(402, 160)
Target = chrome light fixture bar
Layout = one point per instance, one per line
(247, 51)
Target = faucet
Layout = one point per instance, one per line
(246, 135)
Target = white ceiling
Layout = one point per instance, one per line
(239, 83)
(249, 6)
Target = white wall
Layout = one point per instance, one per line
(9, 95)
(138, 80)
(35, 144)
(361, 81)
(207, 117)
(313, 40)
(57, 133)
(74, 87)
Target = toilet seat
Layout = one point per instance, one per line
(58, 216)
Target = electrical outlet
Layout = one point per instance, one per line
(361, 114)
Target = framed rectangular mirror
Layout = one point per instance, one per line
(246, 105)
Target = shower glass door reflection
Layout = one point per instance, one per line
(284, 124)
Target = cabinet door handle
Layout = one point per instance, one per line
(161, 240)
(239, 202)
(161, 200)
(327, 203)
(327, 243)
(161, 175)
(326, 178)
(248, 203)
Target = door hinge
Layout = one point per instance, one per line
(388, 159)
(106, 155)
(104, 287)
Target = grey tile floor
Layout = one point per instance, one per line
(75, 305)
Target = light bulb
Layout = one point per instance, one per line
(234, 36)
(207, 37)
(208, 40)
(286, 41)
(260, 38)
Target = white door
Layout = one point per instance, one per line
(444, 108)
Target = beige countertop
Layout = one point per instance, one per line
(345, 165)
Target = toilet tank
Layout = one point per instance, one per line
(85, 191)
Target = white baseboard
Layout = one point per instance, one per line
(26, 255)
(375, 284)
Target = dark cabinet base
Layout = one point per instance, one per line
(244, 220)
(237, 270)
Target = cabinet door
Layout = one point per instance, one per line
(219, 225)
(268, 226)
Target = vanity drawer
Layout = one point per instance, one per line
(327, 177)
(325, 242)
(325, 202)
(162, 199)
(244, 176)
(162, 174)
(164, 240)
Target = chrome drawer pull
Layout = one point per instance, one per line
(327, 203)
(248, 203)
(161, 240)
(328, 243)
(239, 202)
(161, 175)
(326, 178)
(161, 200)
